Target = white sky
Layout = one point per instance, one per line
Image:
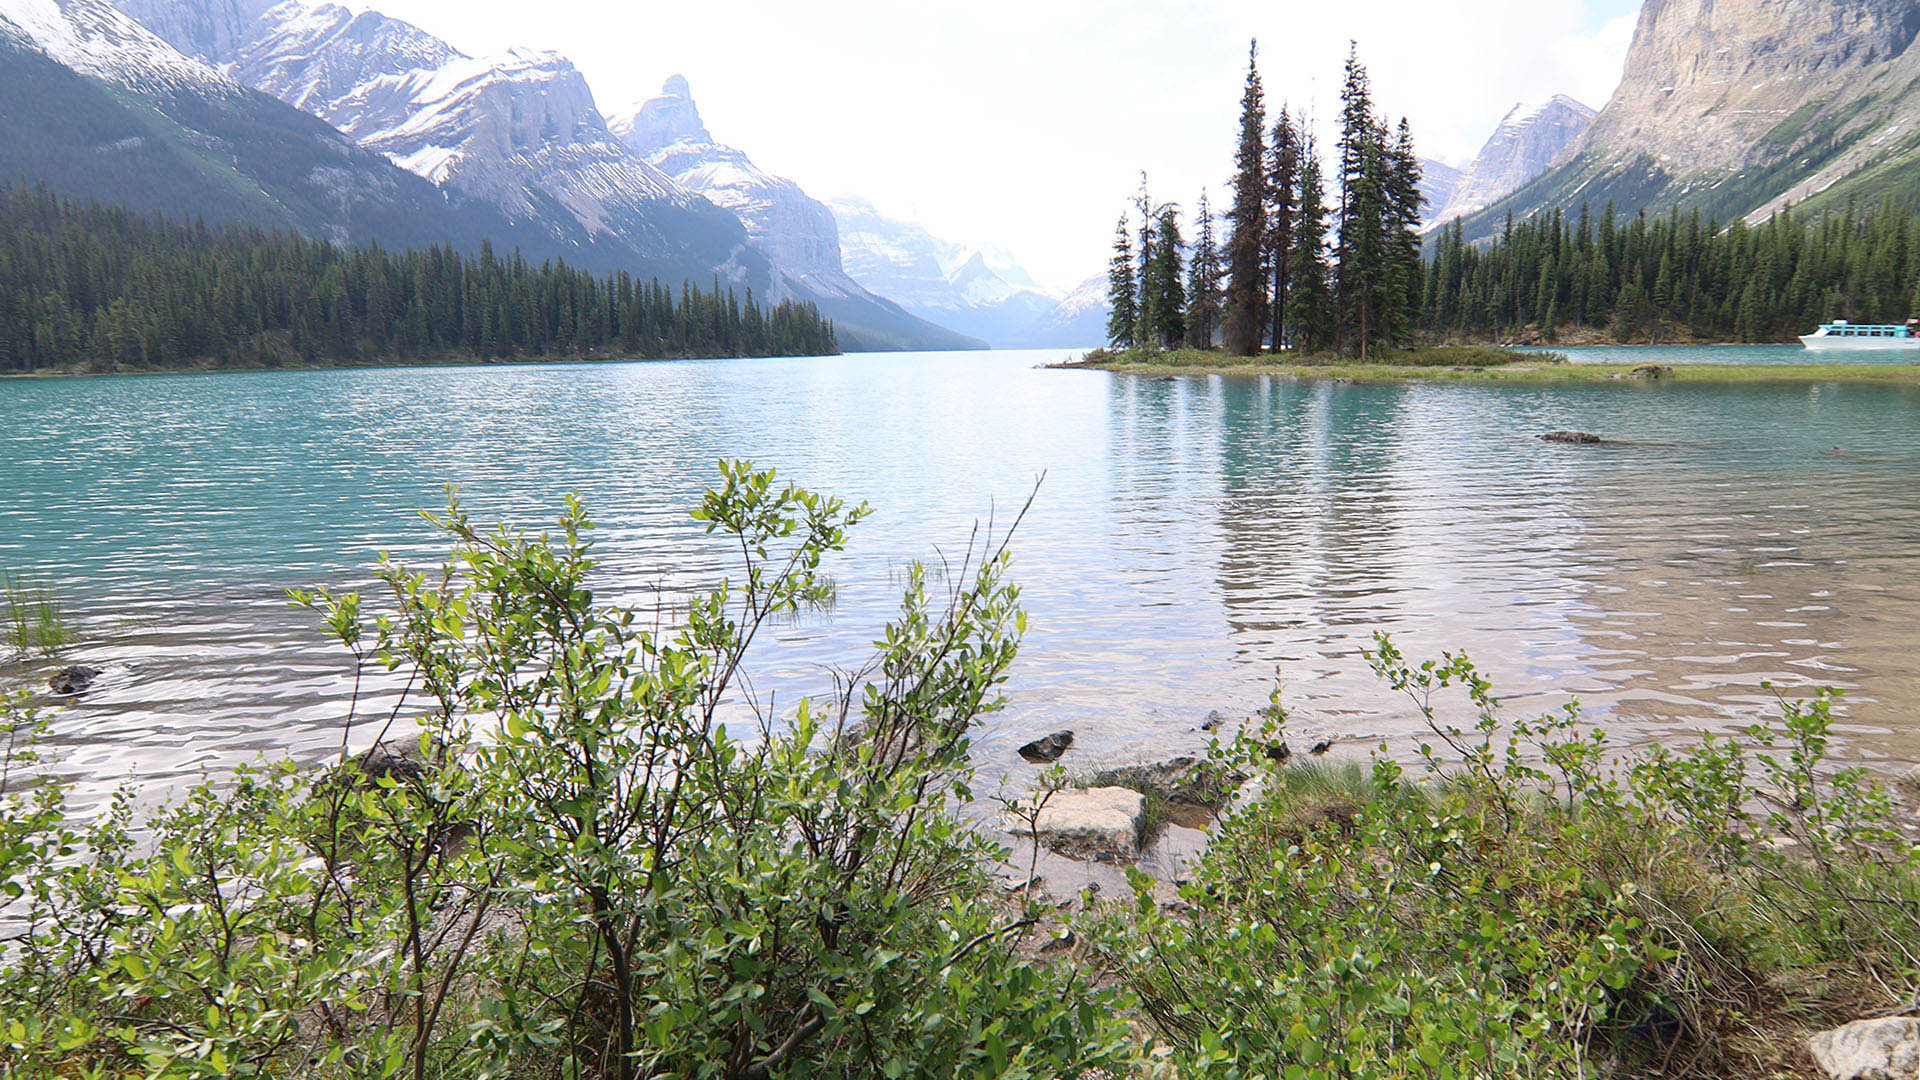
(1025, 123)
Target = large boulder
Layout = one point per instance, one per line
(1870, 1050)
(1092, 823)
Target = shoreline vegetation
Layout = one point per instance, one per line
(1475, 364)
(558, 861)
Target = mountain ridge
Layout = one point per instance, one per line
(1736, 108)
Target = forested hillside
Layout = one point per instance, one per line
(1675, 277)
(92, 286)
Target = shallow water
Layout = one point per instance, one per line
(1191, 536)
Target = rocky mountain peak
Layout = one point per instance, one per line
(1708, 81)
(662, 121)
(1530, 139)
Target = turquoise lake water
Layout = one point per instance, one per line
(1191, 535)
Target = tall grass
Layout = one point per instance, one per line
(31, 618)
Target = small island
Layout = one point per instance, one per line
(1474, 364)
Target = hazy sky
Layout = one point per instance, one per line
(1025, 123)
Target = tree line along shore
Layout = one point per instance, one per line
(87, 287)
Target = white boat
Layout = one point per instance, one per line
(1841, 334)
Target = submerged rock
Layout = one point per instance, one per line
(1095, 823)
(72, 681)
(1870, 1050)
(1048, 750)
(1574, 438)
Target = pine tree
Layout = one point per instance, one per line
(1169, 314)
(1123, 311)
(1283, 175)
(1203, 280)
(1247, 236)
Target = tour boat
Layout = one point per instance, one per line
(1841, 334)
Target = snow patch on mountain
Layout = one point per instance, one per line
(979, 292)
(797, 232)
(1529, 140)
(94, 38)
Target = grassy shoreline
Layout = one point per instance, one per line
(1478, 365)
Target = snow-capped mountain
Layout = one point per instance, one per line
(95, 39)
(1531, 138)
(978, 292)
(97, 107)
(521, 133)
(794, 230)
(1078, 321)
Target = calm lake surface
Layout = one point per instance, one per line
(1191, 536)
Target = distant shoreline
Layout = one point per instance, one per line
(1431, 365)
(81, 371)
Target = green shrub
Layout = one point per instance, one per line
(1526, 903)
(588, 869)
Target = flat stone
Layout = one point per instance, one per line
(1048, 750)
(1095, 823)
(1870, 1050)
(1574, 438)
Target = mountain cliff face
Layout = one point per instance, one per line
(796, 232)
(519, 133)
(1737, 107)
(1528, 141)
(97, 107)
(981, 293)
(1438, 182)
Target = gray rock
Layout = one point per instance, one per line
(1048, 750)
(1870, 1050)
(1911, 778)
(72, 681)
(1095, 823)
(1651, 371)
(1183, 781)
(1572, 438)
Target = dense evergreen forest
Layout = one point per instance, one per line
(86, 285)
(1675, 278)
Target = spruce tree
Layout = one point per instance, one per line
(1169, 314)
(1123, 309)
(1310, 315)
(1402, 279)
(1362, 257)
(1147, 307)
(1247, 221)
(1203, 280)
(1282, 180)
